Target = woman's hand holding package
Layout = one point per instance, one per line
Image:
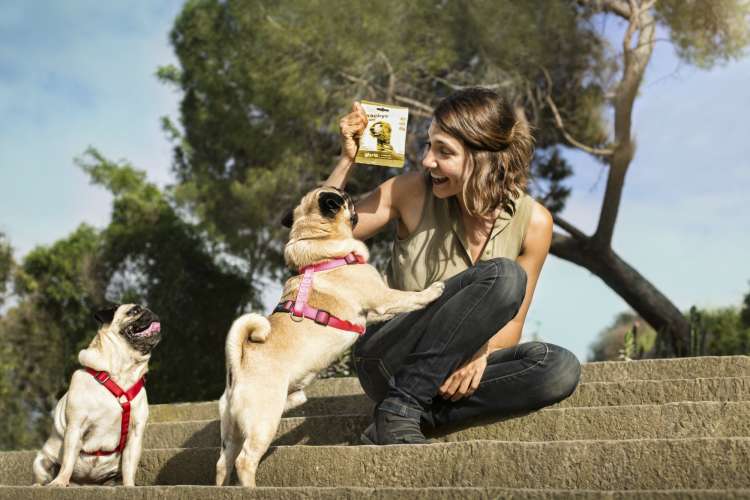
(351, 127)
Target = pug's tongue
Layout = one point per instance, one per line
(154, 327)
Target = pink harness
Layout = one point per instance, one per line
(299, 308)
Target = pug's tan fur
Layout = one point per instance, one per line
(88, 417)
(271, 359)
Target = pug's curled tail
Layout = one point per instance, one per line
(248, 326)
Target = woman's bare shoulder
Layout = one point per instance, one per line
(409, 190)
(539, 231)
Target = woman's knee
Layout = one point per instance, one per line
(508, 281)
(562, 376)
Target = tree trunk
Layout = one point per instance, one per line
(629, 284)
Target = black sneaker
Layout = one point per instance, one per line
(368, 435)
(390, 428)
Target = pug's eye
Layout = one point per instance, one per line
(134, 311)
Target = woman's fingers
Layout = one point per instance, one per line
(451, 385)
(476, 379)
(463, 388)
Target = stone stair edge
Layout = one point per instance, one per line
(545, 410)
(663, 464)
(587, 384)
(445, 444)
(271, 492)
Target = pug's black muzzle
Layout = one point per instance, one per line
(144, 332)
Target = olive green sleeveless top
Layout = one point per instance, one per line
(438, 248)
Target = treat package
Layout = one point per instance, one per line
(384, 140)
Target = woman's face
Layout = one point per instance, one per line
(444, 159)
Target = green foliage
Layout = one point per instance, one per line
(745, 311)
(713, 332)
(31, 375)
(57, 288)
(64, 284)
(629, 350)
(264, 84)
(707, 32)
(6, 264)
(627, 337)
(147, 254)
(718, 332)
(154, 257)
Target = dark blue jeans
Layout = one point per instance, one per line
(401, 363)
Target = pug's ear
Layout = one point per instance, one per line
(105, 316)
(288, 219)
(330, 204)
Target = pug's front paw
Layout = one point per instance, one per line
(58, 483)
(436, 290)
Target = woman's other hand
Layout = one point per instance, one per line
(464, 381)
(351, 127)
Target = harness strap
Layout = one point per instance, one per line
(320, 316)
(103, 378)
(299, 307)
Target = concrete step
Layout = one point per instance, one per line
(606, 371)
(656, 369)
(676, 420)
(311, 493)
(345, 397)
(659, 464)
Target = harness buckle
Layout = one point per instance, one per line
(295, 318)
(322, 317)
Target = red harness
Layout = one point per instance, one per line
(117, 392)
(299, 307)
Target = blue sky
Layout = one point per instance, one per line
(80, 73)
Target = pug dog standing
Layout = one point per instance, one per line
(98, 424)
(323, 310)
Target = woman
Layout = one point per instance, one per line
(467, 221)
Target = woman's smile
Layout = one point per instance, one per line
(437, 179)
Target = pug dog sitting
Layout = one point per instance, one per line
(323, 310)
(98, 425)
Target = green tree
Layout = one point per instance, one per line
(57, 288)
(745, 311)
(147, 254)
(263, 85)
(610, 340)
(152, 256)
(6, 265)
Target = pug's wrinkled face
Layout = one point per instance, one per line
(137, 324)
(326, 206)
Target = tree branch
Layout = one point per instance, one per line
(427, 110)
(454, 86)
(422, 109)
(635, 62)
(619, 7)
(561, 127)
(391, 77)
(570, 228)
